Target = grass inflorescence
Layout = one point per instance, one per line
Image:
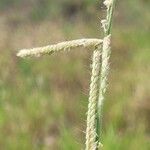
(100, 68)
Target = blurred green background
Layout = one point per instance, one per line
(43, 101)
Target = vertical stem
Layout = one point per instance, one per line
(106, 51)
(99, 83)
(110, 11)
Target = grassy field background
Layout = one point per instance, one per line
(43, 101)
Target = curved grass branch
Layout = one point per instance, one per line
(63, 46)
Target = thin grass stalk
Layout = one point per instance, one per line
(106, 51)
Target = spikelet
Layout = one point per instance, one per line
(108, 3)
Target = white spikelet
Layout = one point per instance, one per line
(108, 3)
(104, 23)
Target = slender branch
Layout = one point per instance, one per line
(91, 134)
(67, 45)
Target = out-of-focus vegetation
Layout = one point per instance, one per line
(43, 101)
